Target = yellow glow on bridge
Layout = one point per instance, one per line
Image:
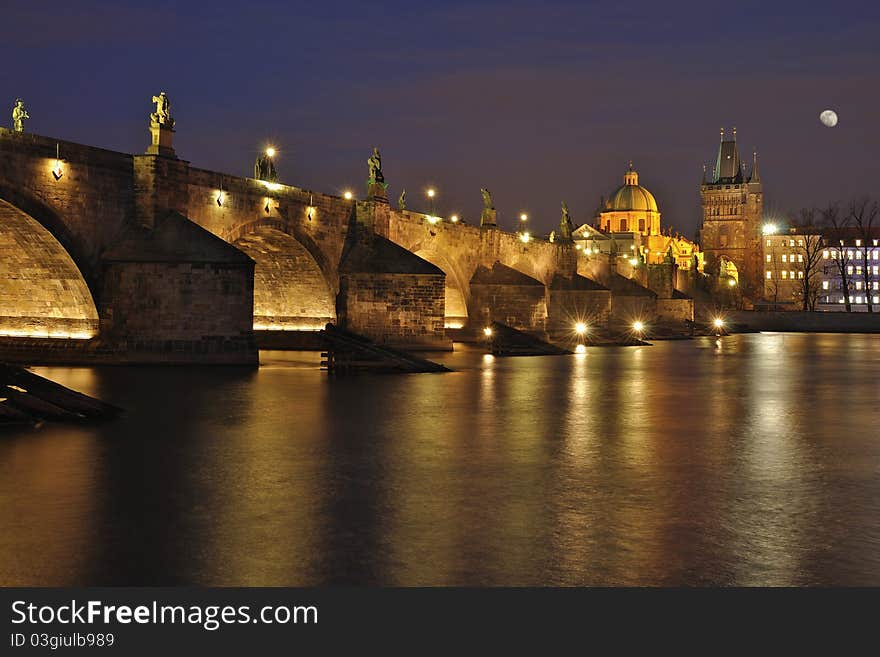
(44, 333)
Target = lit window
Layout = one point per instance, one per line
(876, 272)
(849, 255)
(769, 274)
(769, 242)
(849, 270)
(784, 274)
(769, 258)
(784, 257)
(858, 242)
(876, 255)
(824, 285)
(858, 285)
(858, 299)
(800, 242)
(876, 285)
(876, 299)
(800, 274)
(791, 275)
(791, 242)
(800, 258)
(825, 254)
(858, 270)
(834, 255)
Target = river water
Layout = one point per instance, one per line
(752, 462)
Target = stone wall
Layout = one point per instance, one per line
(392, 308)
(675, 312)
(503, 294)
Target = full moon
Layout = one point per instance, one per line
(828, 118)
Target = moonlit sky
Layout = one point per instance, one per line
(539, 102)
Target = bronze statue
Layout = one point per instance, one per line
(375, 164)
(19, 115)
(401, 201)
(487, 199)
(162, 116)
(565, 226)
(264, 169)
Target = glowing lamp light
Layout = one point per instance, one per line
(731, 282)
(487, 331)
(577, 247)
(432, 219)
(525, 237)
(347, 195)
(454, 218)
(220, 199)
(57, 171)
(638, 327)
(580, 328)
(523, 217)
(431, 193)
(718, 323)
(270, 185)
(769, 229)
(633, 261)
(580, 349)
(270, 152)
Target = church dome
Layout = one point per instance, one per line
(631, 196)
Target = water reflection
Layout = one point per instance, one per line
(752, 462)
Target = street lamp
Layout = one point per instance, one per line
(347, 195)
(454, 218)
(523, 217)
(638, 328)
(270, 152)
(431, 194)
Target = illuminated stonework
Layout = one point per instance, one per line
(42, 293)
(290, 292)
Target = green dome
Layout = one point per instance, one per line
(631, 196)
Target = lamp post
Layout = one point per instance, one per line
(431, 194)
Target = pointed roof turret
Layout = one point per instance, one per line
(728, 166)
(755, 177)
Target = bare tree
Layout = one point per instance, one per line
(862, 217)
(838, 228)
(809, 251)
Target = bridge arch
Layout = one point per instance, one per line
(457, 287)
(43, 292)
(291, 291)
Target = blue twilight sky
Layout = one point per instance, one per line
(538, 101)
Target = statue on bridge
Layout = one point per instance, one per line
(401, 201)
(374, 162)
(162, 115)
(19, 116)
(488, 217)
(565, 226)
(264, 169)
(487, 199)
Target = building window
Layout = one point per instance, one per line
(784, 274)
(824, 285)
(849, 270)
(769, 258)
(825, 254)
(876, 299)
(858, 242)
(800, 242)
(784, 257)
(791, 242)
(834, 254)
(641, 225)
(858, 270)
(876, 285)
(769, 243)
(800, 274)
(849, 255)
(858, 285)
(623, 225)
(769, 274)
(800, 258)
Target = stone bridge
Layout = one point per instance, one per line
(145, 258)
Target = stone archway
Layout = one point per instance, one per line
(42, 291)
(456, 309)
(290, 289)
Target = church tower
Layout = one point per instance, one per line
(732, 203)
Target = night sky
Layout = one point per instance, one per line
(539, 102)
